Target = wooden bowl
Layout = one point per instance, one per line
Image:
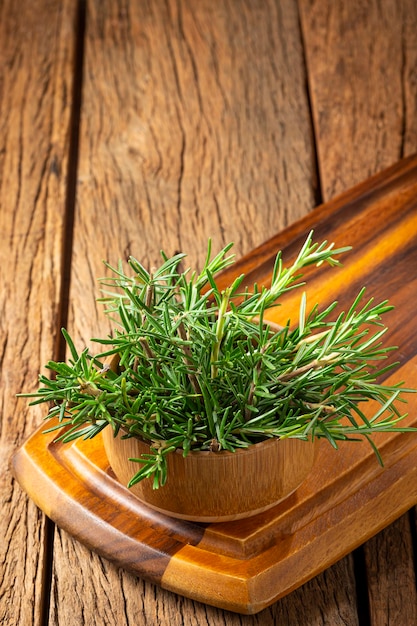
(216, 486)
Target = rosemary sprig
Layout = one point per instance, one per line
(201, 369)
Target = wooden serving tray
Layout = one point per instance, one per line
(244, 566)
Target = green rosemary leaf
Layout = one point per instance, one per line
(70, 344)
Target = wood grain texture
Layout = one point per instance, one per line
(391, 602)
(149, 156)
(361, 60)
(36, 49)
(188, 492)
(194, 143)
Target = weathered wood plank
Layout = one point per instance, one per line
(36, 57)
(362, 60)
(391, 575)
(119, 598)
(195, 123)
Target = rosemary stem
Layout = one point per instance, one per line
(219, 332)
(188, 360)
(149, 295)
(315, 364)
(146, 348)
(251, 395)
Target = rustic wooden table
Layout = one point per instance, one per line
(127, 126)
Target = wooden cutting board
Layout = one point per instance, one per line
(244, 566)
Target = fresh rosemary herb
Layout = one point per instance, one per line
(202, 369)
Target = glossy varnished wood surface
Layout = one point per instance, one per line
(197, 120)
(246, 565)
